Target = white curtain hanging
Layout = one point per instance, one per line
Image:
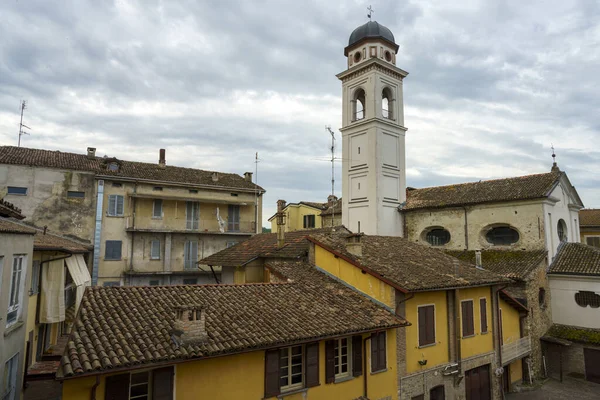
(81, 276)
(52, 302)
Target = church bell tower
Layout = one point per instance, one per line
(373, 145)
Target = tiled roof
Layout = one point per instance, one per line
(576, 259)
(589, 217)
(49, 240)
(7, 226)
(335, 209)
(265, 245)
(320, 206)
(121, 327)
(514, 264)
(506, 189)
(9, 210)
(128, 169)
(574, 334)
(409, 266)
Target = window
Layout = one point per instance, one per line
(309, 221)
(342, 357)
(357, 56)
(190, 281)
(291, 368)
(358, 105)
(437, 237)
(426, 325)
(468, 325)
(112, 250)
(437, 393)
(75, 195)
(193, 191)
(117, 184)
(502, 236)
(16, 287)
(233, 224)
(483, 314)
(139, 387)
(542, 298)
(378, 352)
(157, 208)
(155, 250)
(115, 205)
(387, 103)
(586, 298)
(561, 228)
(192, 214)
(113, 166)
(145, 385)
(35, 278)
(157, 188)
(22, 191)
(190, 255)
(388, 56)
(593, 241)
(10, 378)
(234, 194)
(154, 283)
(112, 283)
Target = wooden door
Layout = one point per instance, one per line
(477, 383)
(592, 365)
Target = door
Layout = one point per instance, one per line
(192, 215)
(592, 365)
(477, 383)
(437, 393)
(506, 379)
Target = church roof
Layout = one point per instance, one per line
(506, 189)
(576, 259)
(589, 217)
(370, 30)
(514, 264)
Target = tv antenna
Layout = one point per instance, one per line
(371, 11)
(328, 128)
(21, 124)
(256, 161)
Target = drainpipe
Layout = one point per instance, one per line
(365, 390)
(132, 230)
(457, 329)
(93, 394)
(97, 232)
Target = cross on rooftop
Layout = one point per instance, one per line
(371, 11)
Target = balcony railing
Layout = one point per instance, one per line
(208, 226)
(516, 350)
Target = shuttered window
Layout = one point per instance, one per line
(483, 315)
(357, 356)
(190, 255)
(309, 221)
(233, 218)
(155, 250)
(378, 351)
(155, 384)
(426, 325)
(468, 325)
(115, 205)
(291, 368)
(312, 364)
(192, 215)
(112, 250)
(157, 208)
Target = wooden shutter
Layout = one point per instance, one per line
(312, 364)
(162, 383)
(271, 373)
(329, 361)
(468, 327)
(119, 205)
(112, 204)
(431, 324)
(376, 362)
(423, 326)
(483, 314)
(382, 348)
(117, 387)
(357, 359)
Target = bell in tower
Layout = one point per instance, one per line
(373, 133)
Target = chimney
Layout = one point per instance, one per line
(190, 325)
(162, 161)
(354, 244)
(215, 176)
(478, 263)
(91, 153)
(331, 200)
(280, 223)
(248, 176)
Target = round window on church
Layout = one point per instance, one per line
(502, 236)
(388, 56)
(357, 56)
(562, 230)
(437, 237)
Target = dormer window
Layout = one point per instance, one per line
(113, 166)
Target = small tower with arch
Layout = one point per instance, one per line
(373, 133)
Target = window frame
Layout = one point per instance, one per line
(10, 377)
(309, 221)
(114, 211)
(338, 356)
(233, 218)
(192, 222)
(106, 249)
(562, 231)
(481, 319)
(154, 242)
(148, 384)
(11, 190)
(593, 239)
(462, 319)
(382, 366)
(188, 262)
(15, 293)
(155, 209)
(434, 326)
(489, 230)
(437, 243)
(292, 386)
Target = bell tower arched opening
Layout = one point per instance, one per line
(387, 103)
(358, 105)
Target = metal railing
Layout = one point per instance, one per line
(515, 350)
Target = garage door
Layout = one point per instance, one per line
(592, 365)
(477, 383)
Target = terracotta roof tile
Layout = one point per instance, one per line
(506, 189)
(335, 209)
(50, 240)
(128, 169)
(589, 217)
(119, 327)
(408, 265)
(7, 226)
(514, 264)
(576, 259)
(9, 210)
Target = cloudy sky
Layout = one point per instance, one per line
(492, 85)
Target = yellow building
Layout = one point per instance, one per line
(589, 225)
(310, 215)
(307, 337)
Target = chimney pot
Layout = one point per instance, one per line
(162, 161)
(354, 244)
(91, 153)
(248, 176)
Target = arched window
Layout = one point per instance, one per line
(562, 230)
(358, 105)
(437, 237)
(542, 298)
(387, 103)
(502, 236)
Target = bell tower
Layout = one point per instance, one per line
(373, 132)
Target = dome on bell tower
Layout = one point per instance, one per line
(372, 30)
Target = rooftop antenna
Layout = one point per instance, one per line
(371, 11)
(256, 161)
(21, 124)
(328, 128)
(554, 165)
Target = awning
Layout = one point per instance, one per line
(80, 274)
(52, 301)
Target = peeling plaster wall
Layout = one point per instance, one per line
(46, 202)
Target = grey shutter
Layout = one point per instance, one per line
(112, 204)
(186, 254)
(271, 373)
(312, 364)
(357, 359)
(117, 249)
(329, 361)
(117, 387)
(155, 249)
(119, 205)
(162, 383)
(194, 254)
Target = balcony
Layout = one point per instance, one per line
(516, 350)
(199, 226)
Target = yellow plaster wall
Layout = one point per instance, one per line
(480, 343)
(354, 276)
(516, 371)
(510, 323)
(434, 354)
(242, 377)
(294, 220)
(31, 312)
